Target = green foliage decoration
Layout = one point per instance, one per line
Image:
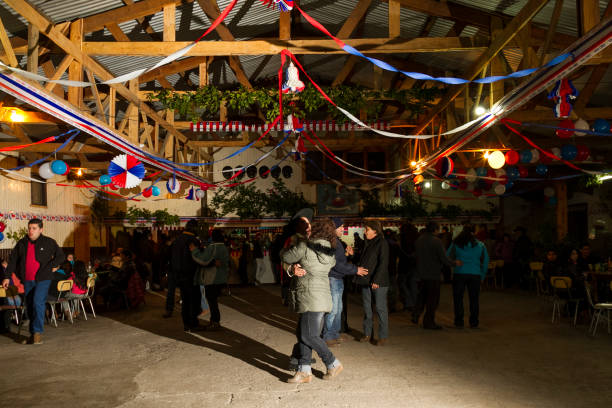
(206, 101)
(159, 217)
(17, 234)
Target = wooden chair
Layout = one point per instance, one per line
(91, 284)
(63, 288)
(535, 269)
(561, 286)
(13, 293)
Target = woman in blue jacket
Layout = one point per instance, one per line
(471, 272)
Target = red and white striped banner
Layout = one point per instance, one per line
(312, 125)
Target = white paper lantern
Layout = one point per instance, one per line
(45, 171)
(497, 159)
(470, 175)
(582, 125)
(200, 193)
(549, 192)
(499, 189)
(445, 185)
(500, 172)
(535, 156)
(556, 151)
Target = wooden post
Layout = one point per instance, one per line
(75, 70)
(33, 37)
(284, 25)
(561, 193)
(203, 71)
(588, 15)
(133, 117)
(394, 18)
(170, 22)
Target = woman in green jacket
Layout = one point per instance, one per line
(215, 254)
(310, 296)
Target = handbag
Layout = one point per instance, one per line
(209, 273)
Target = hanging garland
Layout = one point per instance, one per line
(206, 101)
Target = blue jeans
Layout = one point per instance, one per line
(204, 303)
(331, 331)
(380, 297)
(36, 298)
(308, 335)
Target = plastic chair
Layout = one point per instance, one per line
(63, 288)
(91, 284)
(561, 292)
(13, 293)
(598, 309)
(535, 269)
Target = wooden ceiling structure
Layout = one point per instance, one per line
(68, 48)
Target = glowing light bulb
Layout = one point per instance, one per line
(413, 163)
(16, 116)
(79, 172)
(479, 110)
(486, 155)
(497, 159)
(427, 184)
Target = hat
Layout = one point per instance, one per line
(337, 222)
(307, 213)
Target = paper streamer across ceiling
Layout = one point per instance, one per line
(425, 77)
(130, 75)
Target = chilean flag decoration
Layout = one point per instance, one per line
(126, 171)
(283, 5)
(564, 93)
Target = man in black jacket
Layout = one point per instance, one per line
(331, 329)
(184, 269)
(375, 258)
(33, 260)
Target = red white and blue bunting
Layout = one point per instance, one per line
(25, 216)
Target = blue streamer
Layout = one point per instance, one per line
(76, 133)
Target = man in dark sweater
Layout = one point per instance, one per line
(431, 257)
(331, 329)
(33, 260)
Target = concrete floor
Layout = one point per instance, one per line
(138, 359)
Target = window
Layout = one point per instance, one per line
(38, 192)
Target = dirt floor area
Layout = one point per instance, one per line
(137, 359)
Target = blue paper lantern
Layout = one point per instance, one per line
(552, 201)
(1, 236)
(512, 173)
(59, 167)
(105, 180)
(526, 156)
(509, 185)
(542, 169)
(155, 191)
(569, 152)
(481, 172)
(601, 126)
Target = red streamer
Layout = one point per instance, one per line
(18, 147)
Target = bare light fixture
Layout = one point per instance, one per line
(479, 110)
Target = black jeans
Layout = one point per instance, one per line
(212, 297)
(428, 299)
(191, 297)
(308, 335)
(171, 292)
(460, 282)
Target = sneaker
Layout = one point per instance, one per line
(300, 378)
(37, 338)
(333, 372)
(364, 339)
(167, 314)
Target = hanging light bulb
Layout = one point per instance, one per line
(486, 155)
(479, 110)
(496, 159)
(79, 172)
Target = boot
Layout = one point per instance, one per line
(333, 372)
(300, 378)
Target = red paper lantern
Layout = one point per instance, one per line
(565, 134)
(512, 157)
(544, 159)
(583, 153)
(523, 172)
(113, 187)
(147, 192)
(459, 172)
(491, 175)
(2, 226)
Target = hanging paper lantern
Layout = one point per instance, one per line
(45, 171)
(502, 175)
(499, 189)
(549, 192)
(2, 226)
(200, 194)
(292, 82)
(1, 236)
(418, 179)
(525, 156)
(459, 172)
(542, 169)
(283, 5)
(155, 191)
(287, 171)
(126, 171)
(147, 192)
(105, 180)
(470, 176)
(251, 171)
(569, 152)
(496, 159)
(59, 167)
(173, 186)
(509, 185)
(583, 153)
(523, 172)
(275, 172)
(601, 126)
(556, 151)
(565, 134)
(513, 173)
(240, 171)
(191, 195)
(113, 187)
(535, 156)
(512, 157)
(67, 171)
(491, 175)
(264, 171)
(581, 124)
(445, 185)
(444, 166)
(481, 172)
